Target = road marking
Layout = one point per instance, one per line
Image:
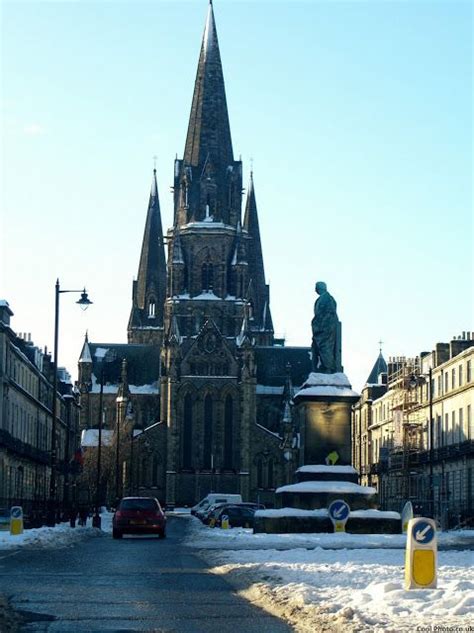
(11, 554)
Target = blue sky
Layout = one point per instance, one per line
(358, 117)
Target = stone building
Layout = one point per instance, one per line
(413, 431)
(202, 359)
(26, 396)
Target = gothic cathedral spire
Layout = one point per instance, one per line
(208, 181)
(149, 290)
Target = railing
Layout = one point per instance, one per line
(22, 448)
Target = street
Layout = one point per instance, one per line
(135, 584)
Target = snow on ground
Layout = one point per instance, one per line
(61, 535)
(351, 588)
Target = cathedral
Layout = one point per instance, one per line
(203, 389)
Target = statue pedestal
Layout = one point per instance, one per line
(323, 410)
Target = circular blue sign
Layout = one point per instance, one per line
(423, 532)
(339, 510)
(16, 512)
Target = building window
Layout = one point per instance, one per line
(469, 423)
(461, 434)
(259, 473)
(208, 455)
(468, 371)
(188, 432)
(460, 376)
(270, 474)
(228, 432)
(453, 427)
(446, 383)
(152, 309)
(207, 274)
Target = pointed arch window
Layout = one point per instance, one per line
(228, 432)
(259, 472)
(151, 309)
(188, 431)
(208, 455)
(207, 276)
(270, 473)
(154, 474)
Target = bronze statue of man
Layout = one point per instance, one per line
(325, 332)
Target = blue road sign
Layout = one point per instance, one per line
(339, 510)
(16, 512)
(423, 532)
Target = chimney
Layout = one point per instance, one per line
(441, 353)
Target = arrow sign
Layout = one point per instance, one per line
(338, 511)
(423, 532)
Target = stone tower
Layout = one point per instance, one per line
(216, 309)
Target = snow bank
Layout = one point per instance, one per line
(354, 584)
(61, 535)
(333, 487)
(321, 468)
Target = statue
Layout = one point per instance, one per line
(325, 326)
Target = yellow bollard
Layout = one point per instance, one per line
(421, 554)
(16, 520)
(225, 522)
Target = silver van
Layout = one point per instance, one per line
(213, 498)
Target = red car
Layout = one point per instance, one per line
(139, 515)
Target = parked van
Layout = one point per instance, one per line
(213, 498)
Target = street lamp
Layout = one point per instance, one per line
(109, 357)
(84, 302)
(414, 382)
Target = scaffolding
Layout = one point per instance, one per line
(408, 423)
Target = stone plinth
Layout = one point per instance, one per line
(323, 408)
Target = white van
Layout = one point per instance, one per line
(213, 498)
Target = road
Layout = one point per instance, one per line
(133, 584)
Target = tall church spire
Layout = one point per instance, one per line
(208, 134)
(149, 290)
(256, 271)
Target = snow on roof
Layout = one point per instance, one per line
(321, 468)
(268, 431)
(90, 437)
(332, 487)
(270, 391)
(327, 385)
(112, 388)
(327, 391)
(208, 295)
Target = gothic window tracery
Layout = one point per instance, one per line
(151, 309)
(207, 276)
(207, 450)
(188, 431)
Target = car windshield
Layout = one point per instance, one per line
(138, 504)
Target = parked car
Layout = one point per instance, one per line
(238, 515)
(209, 518)
(212, 498)
(139, 515)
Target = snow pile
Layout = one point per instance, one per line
(351, 587)
(61, 535)
(332, 470)
(333, 487)
(327, 385)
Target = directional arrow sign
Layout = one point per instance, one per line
(339, 511)
(423, 532)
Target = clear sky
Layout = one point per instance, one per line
(358, 117)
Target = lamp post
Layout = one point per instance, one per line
(84, 302)
(415, 381)
(108, 358)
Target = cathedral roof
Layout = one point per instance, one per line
(143, 363)
(272, 365)
(208, 134)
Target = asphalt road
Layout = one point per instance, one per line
(133, 584)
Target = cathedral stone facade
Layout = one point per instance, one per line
(205, 375)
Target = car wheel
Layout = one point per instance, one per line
(116, 534)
